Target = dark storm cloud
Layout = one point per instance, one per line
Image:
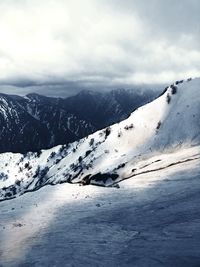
(53, 45)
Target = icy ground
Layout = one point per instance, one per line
(152, 220)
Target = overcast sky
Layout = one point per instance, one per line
(62, 45)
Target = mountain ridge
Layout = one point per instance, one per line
(157, 135)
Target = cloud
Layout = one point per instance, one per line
(98, 42)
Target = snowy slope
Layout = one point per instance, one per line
(142, 143)
(152, 220)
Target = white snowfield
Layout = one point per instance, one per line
(152, 220)
(155, 136)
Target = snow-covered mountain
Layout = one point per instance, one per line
(157, 135)
(35, 122)
(49, 121)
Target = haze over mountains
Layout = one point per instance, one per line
(36, 122)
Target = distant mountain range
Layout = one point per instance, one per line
(37, 122)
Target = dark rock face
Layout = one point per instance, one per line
(35, 122)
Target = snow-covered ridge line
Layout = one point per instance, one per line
(169, 124)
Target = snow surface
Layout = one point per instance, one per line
(152, 220)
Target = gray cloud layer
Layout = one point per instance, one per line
(98, 42)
